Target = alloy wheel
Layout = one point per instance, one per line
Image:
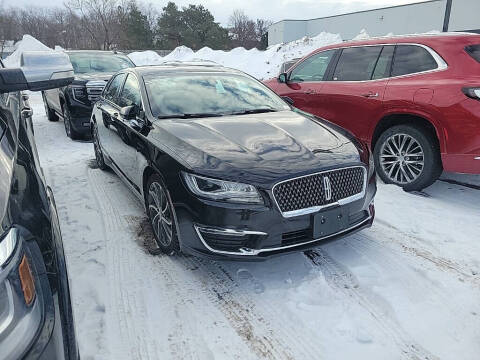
(402, 158)
(160, 214)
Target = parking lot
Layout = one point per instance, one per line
(407, 288)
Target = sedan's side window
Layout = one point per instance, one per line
(312, 68)
(131, 93)
(357, 63)
(112, 90)
(410, 59)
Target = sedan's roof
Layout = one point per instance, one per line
(106, 52)
(182, 68)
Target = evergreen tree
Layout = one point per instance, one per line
(170, 28)
(137, 28)
(193, 26)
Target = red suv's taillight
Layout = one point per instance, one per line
(473, 93)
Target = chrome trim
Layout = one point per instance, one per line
(441, 64)
(231, 232)
(95, 89)
(477, 158)
(313, 209)
(254, 252)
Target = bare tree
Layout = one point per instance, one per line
(247, 32)
(101, 19)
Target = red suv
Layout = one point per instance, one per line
(414, 99)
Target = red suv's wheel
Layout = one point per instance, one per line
(408, 156)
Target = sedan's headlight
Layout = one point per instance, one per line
(222, 190)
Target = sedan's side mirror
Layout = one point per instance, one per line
(39, 70)
(129, 112)
(283, 78)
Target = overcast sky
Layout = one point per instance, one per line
(274, 10)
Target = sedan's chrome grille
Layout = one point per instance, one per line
(311, 192)
(94, 89)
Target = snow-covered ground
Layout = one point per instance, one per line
(408, 288)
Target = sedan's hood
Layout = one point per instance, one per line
(261, 147)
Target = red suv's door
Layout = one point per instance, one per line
(305, 81)
(353, 98)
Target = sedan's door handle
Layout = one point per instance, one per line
(371, 94)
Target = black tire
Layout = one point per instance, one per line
(418, 152)
(159, 223)
(51, 114)
(99, 157)
(69, 130)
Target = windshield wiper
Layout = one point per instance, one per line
(189, 116)
(254, 111)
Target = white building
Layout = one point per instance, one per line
(441, 15)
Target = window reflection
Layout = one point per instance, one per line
(208, 93)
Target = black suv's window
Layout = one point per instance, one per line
(131, 93)
(357, 63)
(312, 68)
(86, 62)
(112, 90)
(474, 51)
(410, 59)
(384, 63)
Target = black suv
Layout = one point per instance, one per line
(74, 102)
(36, 320)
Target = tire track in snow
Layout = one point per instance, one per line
(125, 302)
(443, 264)
(344, 281)
(247, 317)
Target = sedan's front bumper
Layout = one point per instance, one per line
(221, 230)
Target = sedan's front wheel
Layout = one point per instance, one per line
(408, 156)
(161, 214)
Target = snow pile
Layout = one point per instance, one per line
(260, 64)
(28, 43)
(362, 36)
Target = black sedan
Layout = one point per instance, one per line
(36, 320)
(225, 167)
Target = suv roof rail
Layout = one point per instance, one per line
(432, 34)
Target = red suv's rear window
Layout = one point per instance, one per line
(474, 51)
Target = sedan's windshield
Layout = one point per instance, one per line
(188, 95)
(85, 63)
